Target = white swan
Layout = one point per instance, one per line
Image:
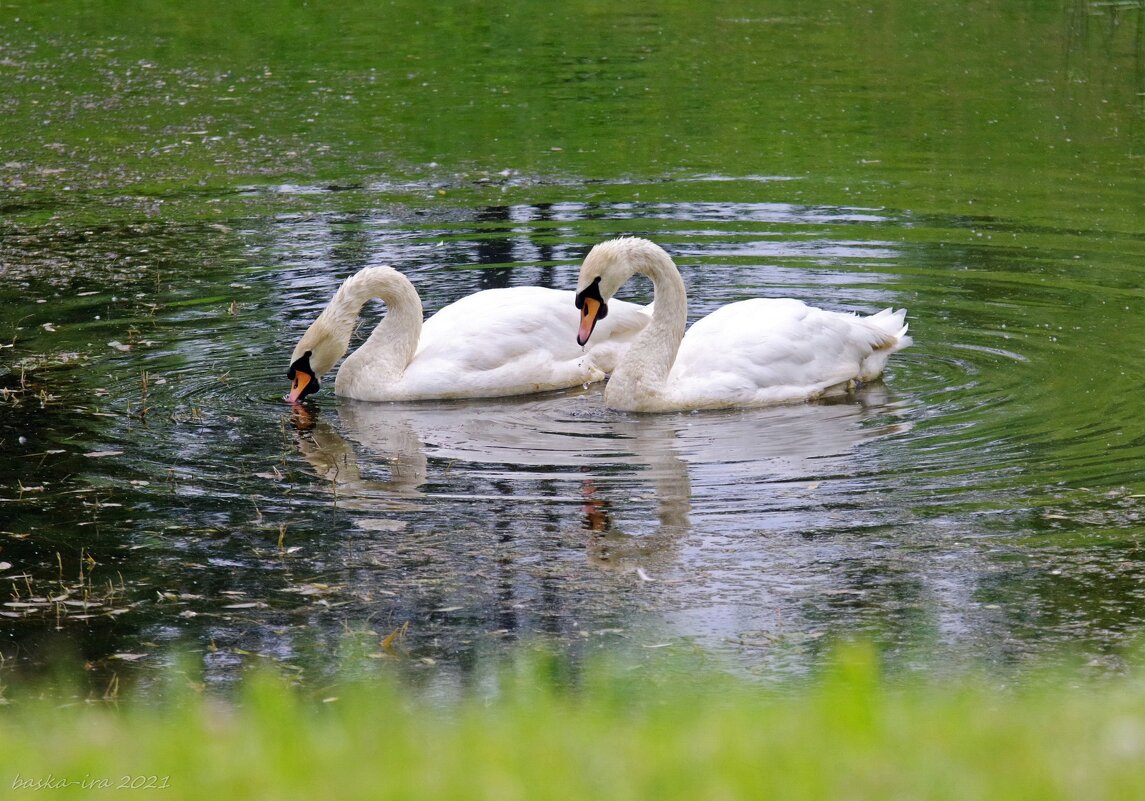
(750, 353)
(492, 343)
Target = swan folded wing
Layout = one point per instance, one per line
(499, 342)
(499, 326)
(772, 351)
(524, 373)
(492, 329)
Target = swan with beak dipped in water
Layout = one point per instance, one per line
(493, 343)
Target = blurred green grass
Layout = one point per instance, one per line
(615, 733)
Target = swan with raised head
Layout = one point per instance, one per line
(748, 353)
(496, 342)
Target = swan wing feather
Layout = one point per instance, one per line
(774, 350)
(512, 341)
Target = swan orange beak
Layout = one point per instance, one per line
(298, 387)
(592, 307)
(589, 314)
(303, 380)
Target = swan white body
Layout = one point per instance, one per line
(749, 353)
(493, 343)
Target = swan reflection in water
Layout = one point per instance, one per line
(335, 461)
(637, 485)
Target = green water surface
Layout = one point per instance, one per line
(182, 187)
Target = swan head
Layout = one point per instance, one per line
(593, 307)
(314, 355)
(605, 269)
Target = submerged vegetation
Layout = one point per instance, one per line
(540, 730)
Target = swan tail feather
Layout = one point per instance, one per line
(892, 327)
(891, 323)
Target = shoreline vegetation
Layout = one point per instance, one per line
(616, 731)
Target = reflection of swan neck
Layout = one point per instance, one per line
(644, 369)
(394, 438)
(674, 492)
(334, 459)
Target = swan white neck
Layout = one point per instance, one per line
(638, 381)
(391, 346)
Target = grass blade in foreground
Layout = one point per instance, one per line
(617, 736)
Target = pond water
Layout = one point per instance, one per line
(182, 193)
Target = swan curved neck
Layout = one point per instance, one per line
(639, 379)
(393, 343)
